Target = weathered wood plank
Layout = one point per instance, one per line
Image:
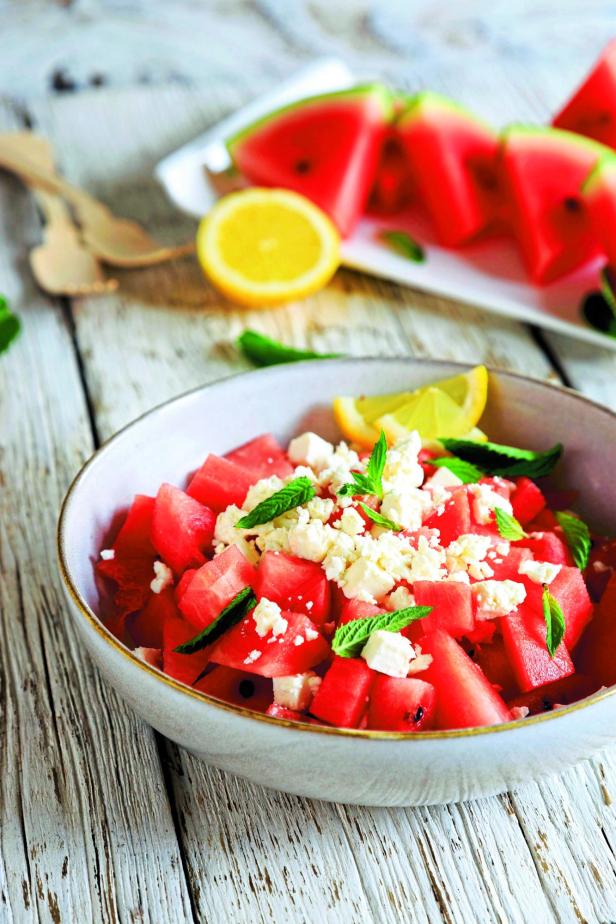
(80, 838)
(167, 331)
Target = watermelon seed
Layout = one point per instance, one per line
(572, 204)
(303, 166)
(246, 688)
(547, 705)
(418, 715)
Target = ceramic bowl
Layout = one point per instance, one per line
(365, 767)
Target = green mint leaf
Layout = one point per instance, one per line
(361, 485)
(233, 612)
(264, 351)
(403, 244)
(497, 459)
(294, 494)
(577, 537)
(10, 325)
(466, 471)
(376, 464)
(608, 288)
(599, 313)
(554, 621)
(351, 637)
(508, 526)
(379, 519)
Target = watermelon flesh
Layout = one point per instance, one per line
(183, 667)
(131, 568)
(220, 482)
(591, 111)
(182, 528)
(262, 457)
(401, 704)
(146, 627)
(494, 662)
(393, 187)
(600, 196)
(454, 519)
(237, 687)
(342, 698)
(453, 159)
(327, 148)
(215, 585)
(544, 170)
(452, 606)
(524, 638)
(294, 584)
(595, 655)
(527, 501)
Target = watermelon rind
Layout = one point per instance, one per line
(416, 104)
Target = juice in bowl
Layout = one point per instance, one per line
(392, 599)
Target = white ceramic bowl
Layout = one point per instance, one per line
(372, 768)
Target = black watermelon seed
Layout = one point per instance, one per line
(246, 688)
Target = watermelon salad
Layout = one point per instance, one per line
(403, 589)
(366, 149)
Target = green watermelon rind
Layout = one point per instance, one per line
(593, 181)
(415, 102)
(557, 134)
(376, 90)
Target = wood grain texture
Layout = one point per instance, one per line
(247, 850)
(81, 839)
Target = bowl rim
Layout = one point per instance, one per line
(70, 584)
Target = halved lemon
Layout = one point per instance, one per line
(450, 407)
(265, 246)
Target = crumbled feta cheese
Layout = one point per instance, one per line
(311, 540)
(253, 656)
(342, 552)
(460, 576)
(225, 530)
(310, 449)
(163, 577)
(443, 478)
(389, 653)
(406, 508)
(296, 691)
(485, 499)
(107, 554)
(299, 640)
(303, 471)
(268, 618)
(262, 490)
(320, 508)
(402, 469)
(310, 634)
(480, 570)
(399, 599)
(468, 549)
(502, 547)
(153, 656)
(273, 540)
(351, 522)
(420, 663)
(541, 572)
(365, 580)
(497, 598)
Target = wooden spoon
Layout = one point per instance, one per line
(114, 240)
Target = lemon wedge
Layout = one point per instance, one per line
(451, 407)
(266, 246)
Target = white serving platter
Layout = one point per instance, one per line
(488, 274)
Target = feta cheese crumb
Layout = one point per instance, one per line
(225, 529)
(163, 577)
(262, 490)
(253, 656)
(497, 598)
(351, 522)
(268, 618)
(296, 691)
(399, 599)
(310, 540)
(541, 572)
(485, 499)
(467, 550)
(480, 570)
(388, 652)
(402, 469)
(443, 478)
(310, 634)
(310, 449)
(406, 508)
(107, 554)
(299, 640)
(366, 580)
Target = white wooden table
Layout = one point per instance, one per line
(100, 818)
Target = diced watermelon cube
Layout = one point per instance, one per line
(183, 667)
(183, 583)
(547, 546)
(262, 457)
(131, 567)
(294, 584)
(182, 528)
(570, 590)
(483, 633)
(561, 692)
(282, 712)
(215, 585)
(401, 704)
(357, 609)
(494, 662)
(219, 483)
(455, 518)
(294, 652)
(238, 688)
(527, 500)
(524, 638)
(342, 698)
(596, 652)
(465, 697)
(543, 522)
(453, 607)
(146, 627)
(506, 567)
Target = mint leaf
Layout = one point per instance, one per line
(294, 494)
(497, 459)
(577, 536)
(554, 621)
(403, 244)
(466, 471)
(233, 612)
(372, 481)
(264, 351)
(598, 312)
(379, 519)
(10, 325)
(351, 637)
(508, 526)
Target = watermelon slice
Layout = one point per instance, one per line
(494, 662)
(238, 688)
(215, 585)
(183, 667)
(600, 195)
(561, 692)
(220, 482)
(453, 607)
(393, 186)
(591, 111)
(294, 584)
(146, 627)
(544, 170)
(342, 698)
(465, 697)
(182, 528)
(131, 568)
(263, 457)
(547, 546)
(401, 704)
(326, 148)
(357, 609)
(524, 638)
(453, 158)
(527, 500)
(454, 519)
